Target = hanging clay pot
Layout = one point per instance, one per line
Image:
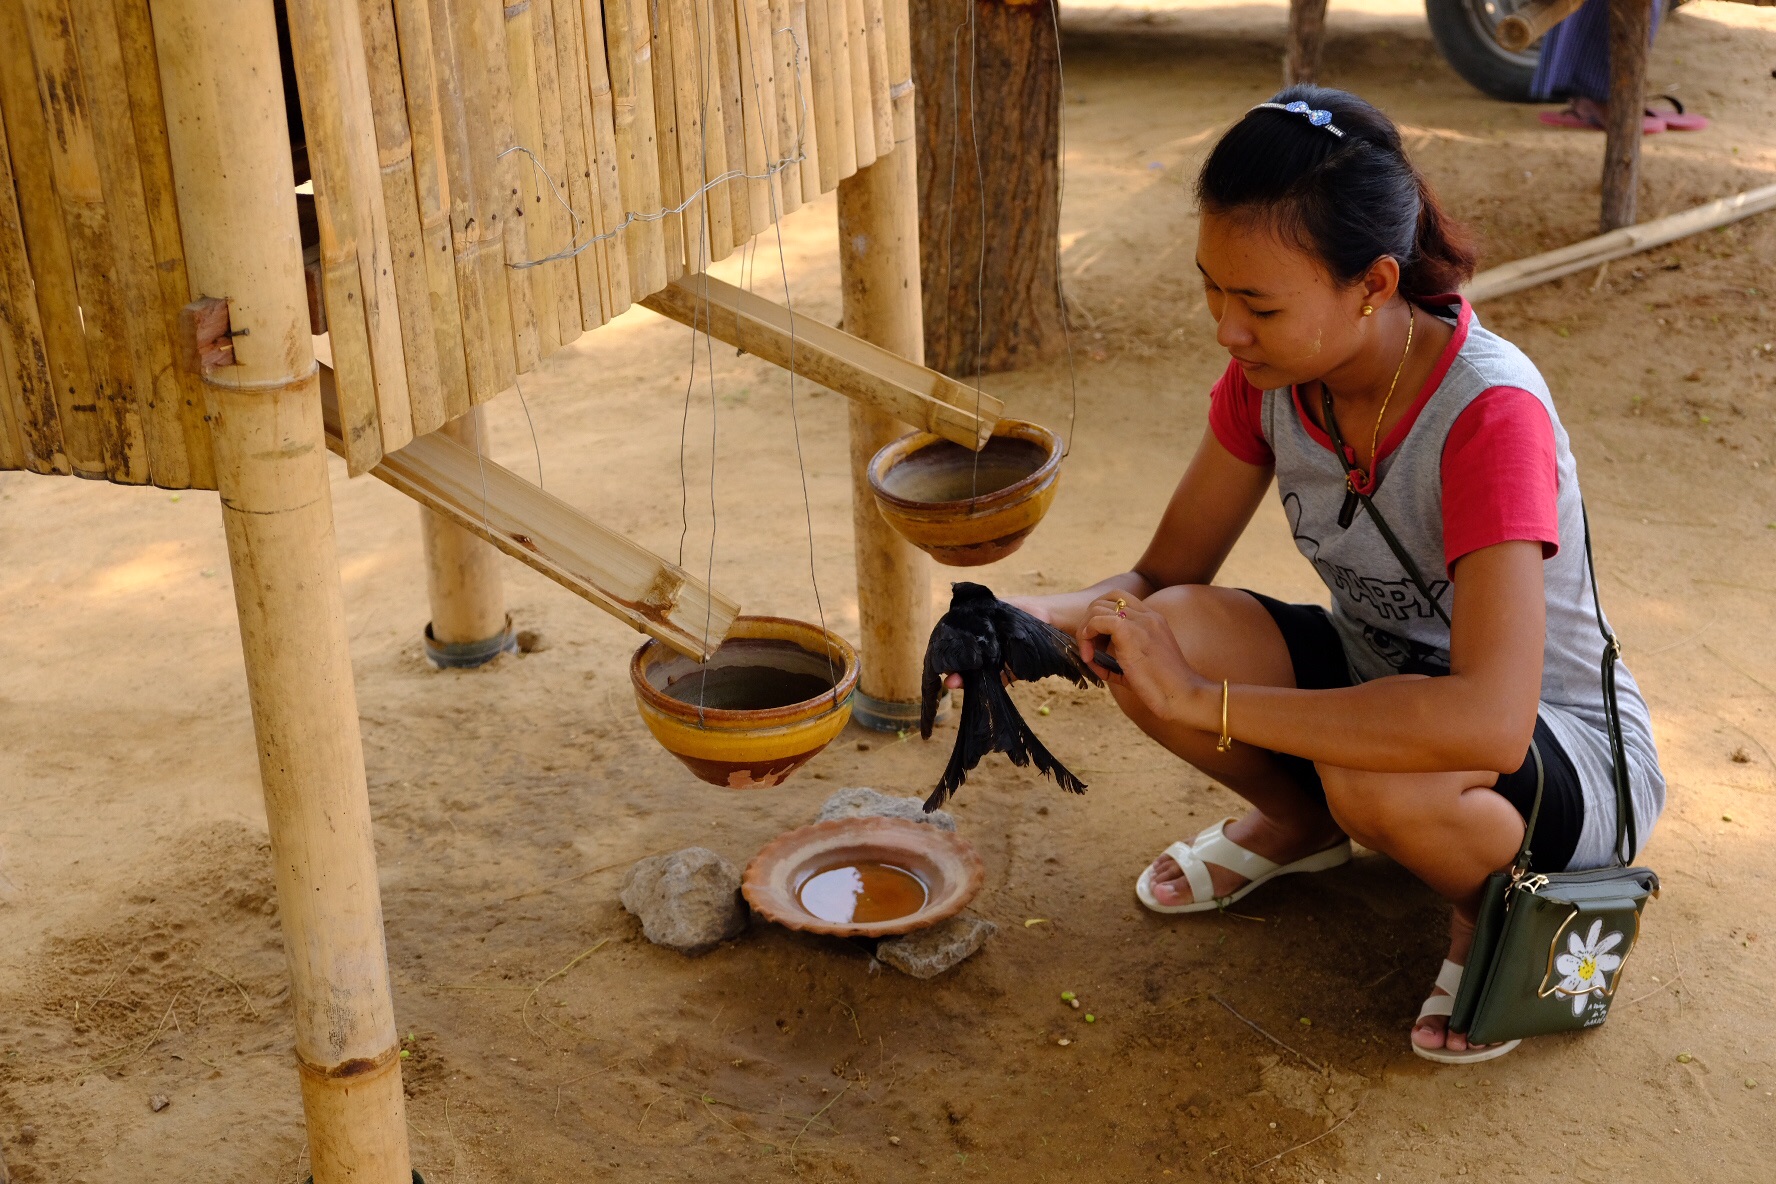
(965, 510)
(863, 877)
(775, 693)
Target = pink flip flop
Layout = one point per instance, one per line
(1675, 119)
(1651, 125)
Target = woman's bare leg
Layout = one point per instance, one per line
(1225, 633)
(1448, 829)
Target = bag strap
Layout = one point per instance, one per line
(1627, 839)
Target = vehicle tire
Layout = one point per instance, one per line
(1463, 32)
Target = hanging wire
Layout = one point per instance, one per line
(1054, 14)
(980, 275)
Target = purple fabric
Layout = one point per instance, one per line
(1574, 60)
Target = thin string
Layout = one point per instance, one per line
(771, 195)
(707, 38)
(1054, 14)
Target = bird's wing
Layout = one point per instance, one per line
(1017, 741)
(949, 650)
(974, 737)
(1034, 649)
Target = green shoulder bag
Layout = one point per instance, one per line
(1549, 950)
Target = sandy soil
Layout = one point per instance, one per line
(140, 936)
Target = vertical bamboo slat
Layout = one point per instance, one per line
(807, 112)
(592, 265)
(724, 84)
(481, 40)
(12, 441)
(132, 263)
(823, 104)
(759, 103)
(595, 64)
(510, 171)
(475, 244)
(678, 224)
(632, 127)
(535, 285)
(327, 42)
(881, 104)
(406, 244)
(141, 74)
(431, 179)
(694, 146)
(553, 152)
(900, 68)
(862, 105)
(841, 26)
(785, 67)
(30, 393)
(64, 93)
(832, 83)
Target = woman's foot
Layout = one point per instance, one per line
(1432, 1031)
(1257, 833)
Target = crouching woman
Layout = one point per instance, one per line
(1404, 716)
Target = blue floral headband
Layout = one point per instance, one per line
(1314, 115)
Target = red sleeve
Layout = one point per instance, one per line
(1500, 478)
(1236, 416)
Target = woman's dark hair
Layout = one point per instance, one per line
(1347, 200)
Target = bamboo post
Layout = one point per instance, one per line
(235, 190)
(879, 266)
(1307, 37)
(1630, 28)
(469, 625)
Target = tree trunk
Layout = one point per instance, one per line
(1004, 312)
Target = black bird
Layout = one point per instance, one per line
(982, 638)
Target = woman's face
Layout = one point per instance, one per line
(1277, 309)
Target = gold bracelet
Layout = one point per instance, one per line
(1225, 742)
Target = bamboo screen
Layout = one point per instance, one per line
(488, 182)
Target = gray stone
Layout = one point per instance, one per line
(927, 953)
(867, 803)
(687, 900)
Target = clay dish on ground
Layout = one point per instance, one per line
(943, 861)
(960, 512)
(775, 693)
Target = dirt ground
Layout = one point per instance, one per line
(140, 935)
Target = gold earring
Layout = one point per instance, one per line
(1368, 310)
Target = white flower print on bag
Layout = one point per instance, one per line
(1586, 963)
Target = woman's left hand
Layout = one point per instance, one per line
(1153, 666)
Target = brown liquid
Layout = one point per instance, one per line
(948, 472)
(862, 892)
(746, 688)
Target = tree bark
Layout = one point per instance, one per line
(1630, 29)
(989, 220)
(1307, 38)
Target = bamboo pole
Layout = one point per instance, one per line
(592, 265)
(73, 430)
(1629, 240)
(633, 131)
(823, 89)
(900, 68)
(759, 107)
(698, 150)
(678, 224)
(595, 63)
(725, 85)
(231, 167)
(881, 83)
(807, 111)
(554, 156)
(32, 416)
(461, 193)
(481, 50)
(13, 453)
(879, 269)
(863, 114)
(510, 171)
(785, 69)
(141, 79)
(463, 572)
(65, 96)
(1518, 30)
(431, 177)
(838, 26)
(407, 251)
(1630, 29)
(532, 220)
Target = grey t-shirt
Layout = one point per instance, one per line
(1385, 624)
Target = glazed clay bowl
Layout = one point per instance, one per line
(960, 512)
(758, 710)
(942, 860)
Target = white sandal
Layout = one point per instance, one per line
(1212, 846)
(1449, 979)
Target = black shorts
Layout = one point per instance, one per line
(1318, 657)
